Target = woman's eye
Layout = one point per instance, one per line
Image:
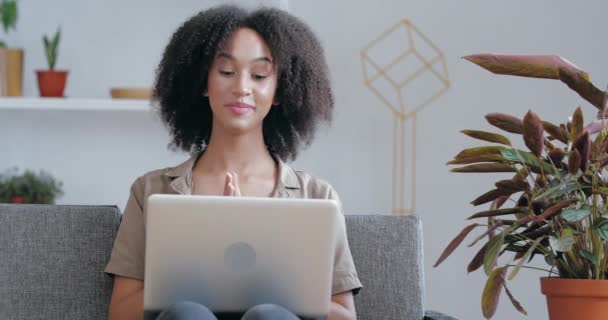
(259, 76)
(226, 72)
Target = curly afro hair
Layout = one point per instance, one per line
(303, 89)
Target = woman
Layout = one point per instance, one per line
(242, 92)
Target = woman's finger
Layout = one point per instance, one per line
(235, 184)
(227, 185)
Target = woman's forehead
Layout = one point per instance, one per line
(245, 45)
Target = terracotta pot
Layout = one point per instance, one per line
(51, 82)
(17, 199)
(11, 72)
(569, 299)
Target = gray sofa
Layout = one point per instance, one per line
(52, 260)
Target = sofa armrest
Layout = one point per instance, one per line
(434, 315)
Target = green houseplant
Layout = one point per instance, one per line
(11, 59)
(553, 203)
(29, 187)
(52, 82)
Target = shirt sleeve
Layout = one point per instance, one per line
(127, 258)
(345, 275)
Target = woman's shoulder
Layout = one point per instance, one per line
(304, 184)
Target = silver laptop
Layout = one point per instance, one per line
(232, 253)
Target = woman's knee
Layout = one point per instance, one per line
(269, 312)
(186, 310)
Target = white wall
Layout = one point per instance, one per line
(111, 43)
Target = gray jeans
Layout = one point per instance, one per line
(193, 311)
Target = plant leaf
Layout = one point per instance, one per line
(534, 133)
(494, 246)
(555, 209)
(491, 195)
(561, 188)
(583, 145)
(489, 232)
(481, 158)
(515, 303)
(525, 257)
(500, 212)
(556, 132)
(477, 261)
(564, 243)
(527, 158)
(487, 136)
(577, 124)
(486, 167)
(543, 66)
(574, 162)
(589, 256)
(455, 243)
(506, 122)
(601, 226)
(513, 184)
(576, 215)
(479, 151)
(491, 292)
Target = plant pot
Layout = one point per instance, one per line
(51, 82)
(17, 199)
(11, 72)
(569, 299)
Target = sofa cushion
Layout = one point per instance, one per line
(52, 260)
(387, 251)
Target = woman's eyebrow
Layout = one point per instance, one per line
(230, 57)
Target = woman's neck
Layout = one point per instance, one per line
(245, 154)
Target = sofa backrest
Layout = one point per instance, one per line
(52, 260)
(387, 251)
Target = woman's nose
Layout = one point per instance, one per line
(242, 86)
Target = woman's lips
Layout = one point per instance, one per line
(239, 108)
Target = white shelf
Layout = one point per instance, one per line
(73, 104)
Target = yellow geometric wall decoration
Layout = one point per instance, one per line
(407, 72)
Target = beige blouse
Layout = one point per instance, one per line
(127, 257)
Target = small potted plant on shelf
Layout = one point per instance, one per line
(11, 59)
(29, 187)
(554, 204)
(52, 82)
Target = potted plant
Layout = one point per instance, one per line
(52, 82)
(554, 204)
(11, 59)
(29, 187)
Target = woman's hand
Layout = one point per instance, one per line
(231, 186)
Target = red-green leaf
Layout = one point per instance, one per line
(527, 158)
(556, 132)
(583, 145)
(525, 257)
(499, 212)
(479, 151)
(485, 167)
(555, 209)
(577, 124)
(483, 158)
(515, 303)
(491, 292)
(487, 136)
(494, 246)
(506, 122)
(477, 261)
(574, 162)
(491, 196)
(534, 134)
(455, 243)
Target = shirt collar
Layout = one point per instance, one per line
(181, 176)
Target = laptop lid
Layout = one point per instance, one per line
(232, 253)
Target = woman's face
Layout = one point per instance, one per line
(242, 82)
